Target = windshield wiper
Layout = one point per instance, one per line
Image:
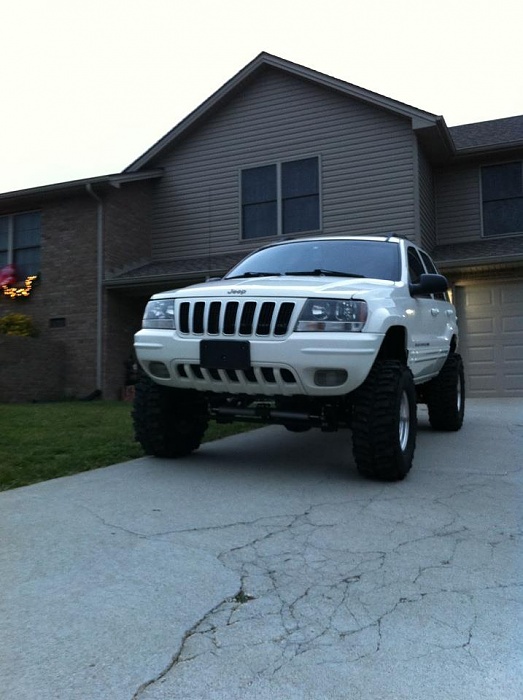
(254, 274)
(327, 273)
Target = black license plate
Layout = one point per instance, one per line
(225, 354)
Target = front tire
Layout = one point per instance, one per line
(384, 422)
(168, 422)
(445, 395)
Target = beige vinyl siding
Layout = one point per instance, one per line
(458, 205)
(427, 212)
(366, 164)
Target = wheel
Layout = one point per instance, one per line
(168, 422)
(445, 395)
(384, 422)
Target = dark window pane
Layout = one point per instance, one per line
(259, 184)
(416, 268)
(301, 214)
(27, 230)
(26, 239)
(26, 244)
(429, 265)
(505, 216)
(27, 261)
(3, 258)
(502, 181)
(4, 228)
(259, 220)
(300, 177)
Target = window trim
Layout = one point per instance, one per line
(279, 199)
(492, 236)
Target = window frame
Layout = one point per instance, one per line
(11, 248)
(484, 201)
(279, 199)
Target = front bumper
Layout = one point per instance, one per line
(306, 364)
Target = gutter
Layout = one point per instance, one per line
(488, 148)
(99, 282)
(509, 259)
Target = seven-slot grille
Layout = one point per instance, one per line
(235, 317)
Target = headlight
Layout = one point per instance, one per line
(336, 315)
(159, 313)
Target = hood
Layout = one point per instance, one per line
(299, 286)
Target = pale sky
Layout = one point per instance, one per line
(88, 85)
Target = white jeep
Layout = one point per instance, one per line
(329, 332)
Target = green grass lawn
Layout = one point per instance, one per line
(44, 441)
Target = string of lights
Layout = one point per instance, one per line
(23, 291)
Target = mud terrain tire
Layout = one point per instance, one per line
(384, 422)
(446, 395)
(168, 422)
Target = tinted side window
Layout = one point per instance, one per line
(430, 267)
(416, 268)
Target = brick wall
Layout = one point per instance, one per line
(64, 303)
(127, 243)
(31, 369)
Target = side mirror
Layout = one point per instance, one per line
(429, 284)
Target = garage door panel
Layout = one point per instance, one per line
(514, 385)
(513, 353)
(514, 323)
(480, 325)
(513, 295)
(481, 354)
(491, 324)
(479, 297)
(478, 340)
(486, 384)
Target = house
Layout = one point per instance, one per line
(280, 150)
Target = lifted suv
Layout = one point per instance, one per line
(328, 332)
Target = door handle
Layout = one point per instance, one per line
(434, 312)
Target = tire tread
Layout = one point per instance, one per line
(375, 423)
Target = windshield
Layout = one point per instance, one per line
(351, 258)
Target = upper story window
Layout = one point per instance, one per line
(280, 198)
(20, 242)
(502, 195)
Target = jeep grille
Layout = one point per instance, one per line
(235, 318)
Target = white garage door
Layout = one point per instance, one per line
(491, 332)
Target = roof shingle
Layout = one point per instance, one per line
(497, 132)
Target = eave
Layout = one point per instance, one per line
(73, 187)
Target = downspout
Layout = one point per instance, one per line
(99, 283)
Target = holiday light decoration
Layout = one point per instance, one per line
(16, 291)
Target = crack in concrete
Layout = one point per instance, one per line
(302, 597)
(239, 598)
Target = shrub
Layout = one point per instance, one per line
(17, 324)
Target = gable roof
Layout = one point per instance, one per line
(423, 121)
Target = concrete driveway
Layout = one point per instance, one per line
(261, 567)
